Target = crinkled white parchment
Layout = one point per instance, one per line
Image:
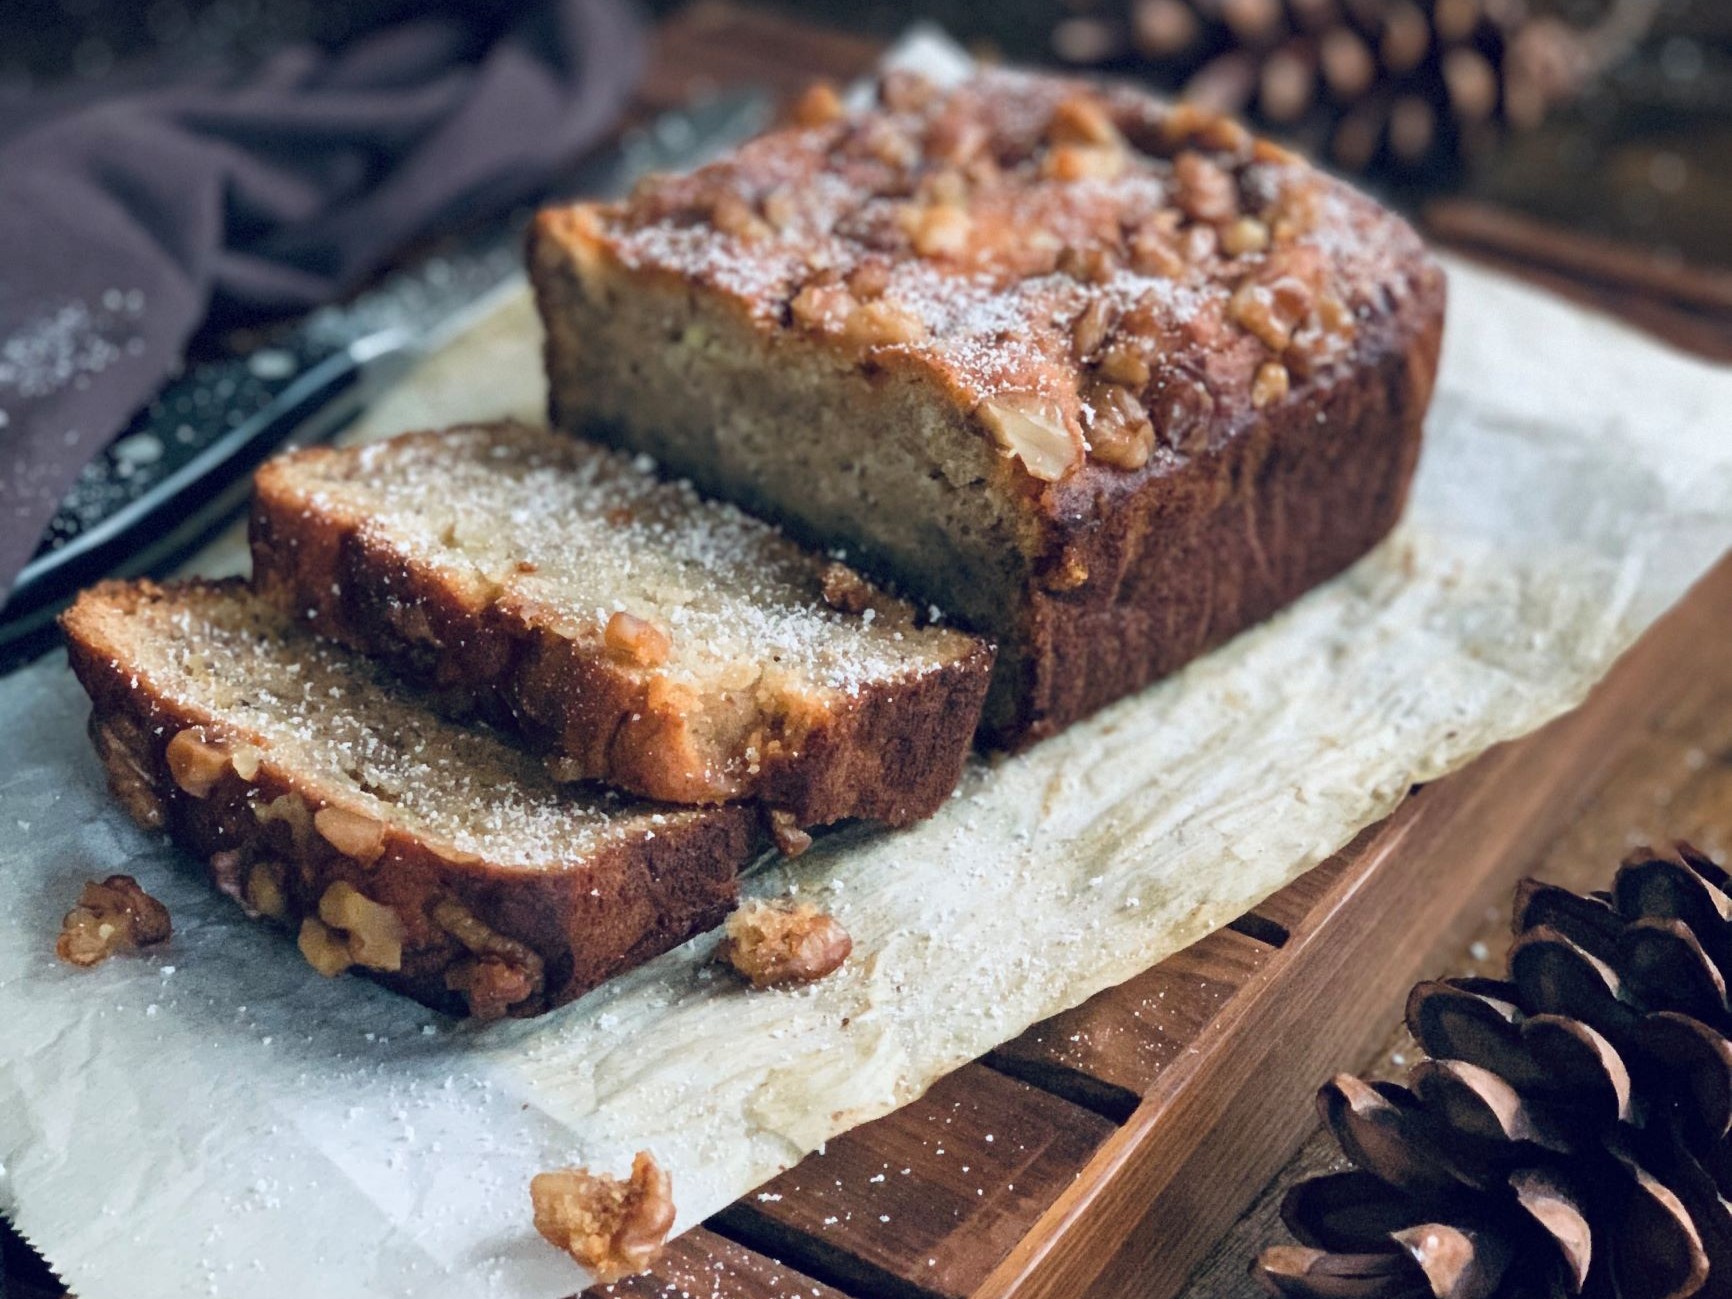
(215, 1118)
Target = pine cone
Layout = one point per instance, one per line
(1568, 1133)
(1405, 86)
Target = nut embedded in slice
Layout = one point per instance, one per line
(499, 973)
(774, 944)
(195, 763)
(375, 932)
(353, 834)
(614, 1227)
(112, 916)
(326, 950)
(636, 641)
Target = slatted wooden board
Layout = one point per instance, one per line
(1113, 1149)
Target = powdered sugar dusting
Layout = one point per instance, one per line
(569, 533)
(330, 719)
(961, 210)
(69, 345)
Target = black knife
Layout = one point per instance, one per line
(182, 467)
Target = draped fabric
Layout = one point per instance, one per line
(127, 222)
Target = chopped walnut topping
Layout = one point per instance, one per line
(937, 229)
(373, 932)
(889, 143)
(773, 944)
(1182, 413)
(195, 763)
(869, 280)
(790, 839)
(498, 974)
(611, 1226)
(1154, 250)
(882, 324)
(1121, 434)
(1092, 325)
(1271, 384)
(1123, 363)
(959, 141)
(1200, 244)
(1336, 316)
(1194, 124)
(1246, 235)
(844, 590)
(1271, 311)
(832, 309)
(781, 208)
(732, 215)
(115, 915)
(1092, 265)
(946, 186)
(636, 641)
(818, 105)
(823, 307)
(121, 746)
(354, 834)
(1081, 120)
(1034, 430)
(1205, 190)
(1069, 162)
(1297, 211)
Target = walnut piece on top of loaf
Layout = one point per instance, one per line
(1106, 379)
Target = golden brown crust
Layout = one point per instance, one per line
(891, 751)
(1204, 364)
(1100, 258)
(464, 925)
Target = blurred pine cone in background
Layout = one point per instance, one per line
(1408, 89)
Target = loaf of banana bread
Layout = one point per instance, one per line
(634, 632)
(323, 797)
(1107, 380)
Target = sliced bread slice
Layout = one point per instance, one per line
(633, 631)
(429, 854)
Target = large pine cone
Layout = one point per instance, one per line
(1399, 86)
(1569, 1132)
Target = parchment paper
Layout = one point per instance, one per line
(214, 1118)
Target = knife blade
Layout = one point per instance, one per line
(183, 465)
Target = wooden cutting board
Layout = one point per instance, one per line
(1108, 1150)
(1105, 1151)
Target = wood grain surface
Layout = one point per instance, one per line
(1112, 1150)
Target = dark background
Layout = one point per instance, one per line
(1646, 158)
